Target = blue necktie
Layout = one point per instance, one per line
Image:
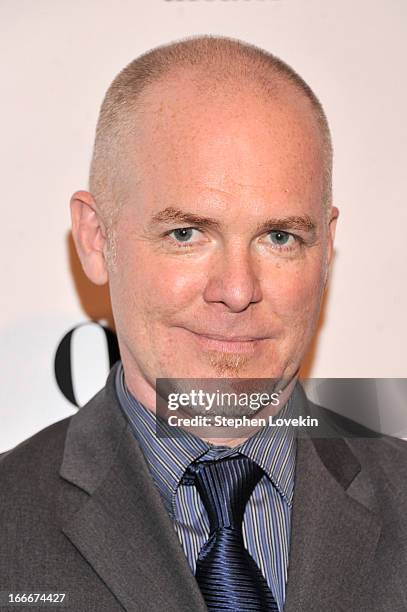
(227, 575)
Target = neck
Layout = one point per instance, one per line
(217, 435)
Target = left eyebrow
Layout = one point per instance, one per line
(175, 215)
(295, 222)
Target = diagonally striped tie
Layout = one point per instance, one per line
(226, 573)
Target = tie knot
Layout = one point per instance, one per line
(225, 487)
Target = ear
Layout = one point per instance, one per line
(333, 218)
(89, 235)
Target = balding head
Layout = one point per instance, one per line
(218, 157)
(208, 68)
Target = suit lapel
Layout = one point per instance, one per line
(333, 537)
(122, 529)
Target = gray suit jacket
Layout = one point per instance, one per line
(80, 515)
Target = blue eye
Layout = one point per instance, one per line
(280, 238)
(183, 234)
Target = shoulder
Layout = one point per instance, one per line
(32, 499)
(34, 460)
(379, 454)
(32, 470)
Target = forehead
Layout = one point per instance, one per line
(232, 139)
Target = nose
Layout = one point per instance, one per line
(232, 279)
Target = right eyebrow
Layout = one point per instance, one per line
(176, 215)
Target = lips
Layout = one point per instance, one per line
(229, 338)
(227, 343)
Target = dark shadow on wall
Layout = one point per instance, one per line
(94, 299)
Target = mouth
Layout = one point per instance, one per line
(228, 344)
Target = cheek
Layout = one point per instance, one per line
(163, 286)
(296, 292)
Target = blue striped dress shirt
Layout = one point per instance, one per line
(267, 518)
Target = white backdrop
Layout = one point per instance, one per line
(58, 59)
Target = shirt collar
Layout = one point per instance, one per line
(272, 448)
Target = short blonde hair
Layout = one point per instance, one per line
(218, 59)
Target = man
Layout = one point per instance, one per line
(210, 215)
